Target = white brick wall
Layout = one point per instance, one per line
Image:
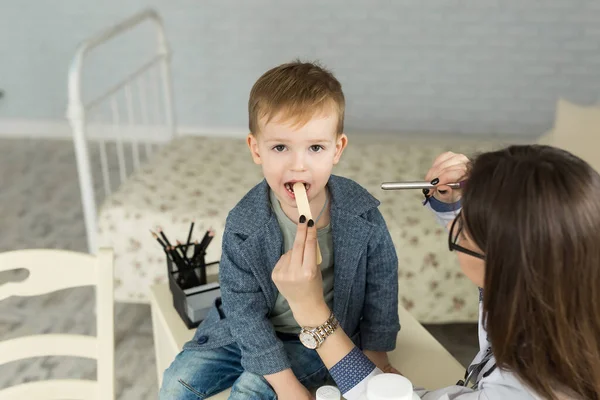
(472, 66)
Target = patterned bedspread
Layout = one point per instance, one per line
(203, 178)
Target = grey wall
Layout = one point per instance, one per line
(473, 66)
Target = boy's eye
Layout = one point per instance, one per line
(279, 148)
(316, 148)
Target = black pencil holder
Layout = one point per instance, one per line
(186, 285)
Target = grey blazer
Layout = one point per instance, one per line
(365, 283)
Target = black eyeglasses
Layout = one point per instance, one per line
(453, 239)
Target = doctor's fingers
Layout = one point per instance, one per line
(440, 171)
(299, 243)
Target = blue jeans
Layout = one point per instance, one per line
(197, 375)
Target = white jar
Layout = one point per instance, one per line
(390, 387)
(328, 393)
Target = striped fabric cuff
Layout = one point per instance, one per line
(351, 370)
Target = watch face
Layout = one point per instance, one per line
(308, 340)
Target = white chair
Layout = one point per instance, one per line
(49, 271)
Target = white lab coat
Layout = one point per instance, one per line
(498, 385)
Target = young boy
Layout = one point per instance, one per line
(250, 338)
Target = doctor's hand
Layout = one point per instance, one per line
(299, 279)
(448, 167)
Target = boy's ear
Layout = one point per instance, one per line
(253, 146)
(340, 145)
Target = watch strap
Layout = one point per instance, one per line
(324, 330)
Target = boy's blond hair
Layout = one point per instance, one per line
(297, 91)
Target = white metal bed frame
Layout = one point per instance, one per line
(79, 111)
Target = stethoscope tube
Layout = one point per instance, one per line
(476, 370)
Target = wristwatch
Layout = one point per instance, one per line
(313, 338)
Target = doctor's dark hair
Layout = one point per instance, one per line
(535, 212)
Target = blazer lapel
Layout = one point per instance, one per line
(351, 234)
(261, 251)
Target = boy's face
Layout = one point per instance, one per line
(289, 154)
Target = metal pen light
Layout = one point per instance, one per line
(417, 185)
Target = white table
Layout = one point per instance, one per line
(420, 357)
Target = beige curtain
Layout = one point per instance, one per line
(576, 129)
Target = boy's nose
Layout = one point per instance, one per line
(298, 162)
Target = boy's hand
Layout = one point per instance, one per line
(287, 386)
(297, 392)
(448, 167)
(381, 361)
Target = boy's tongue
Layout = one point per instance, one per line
(289, 186)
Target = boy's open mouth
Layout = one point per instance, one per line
(289, 186)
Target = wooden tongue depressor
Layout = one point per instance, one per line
(304, 209)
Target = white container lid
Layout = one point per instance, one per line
(328, 393)
(389, 387)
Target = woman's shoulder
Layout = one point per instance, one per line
(503, 384)
(498, 385)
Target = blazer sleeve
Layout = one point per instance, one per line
(245, 305)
